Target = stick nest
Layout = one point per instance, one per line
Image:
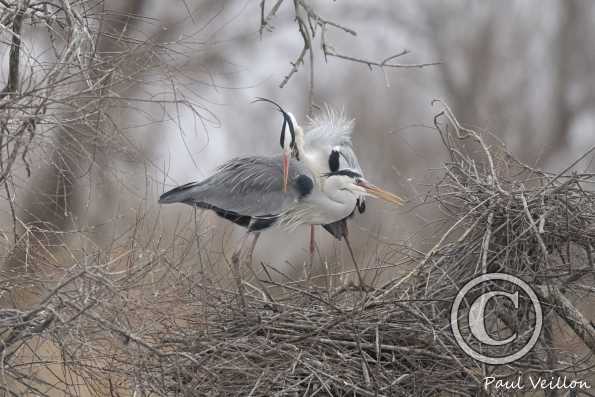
(186, 335)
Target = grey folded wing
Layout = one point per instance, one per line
(250, 186)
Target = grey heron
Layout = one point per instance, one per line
(327, 147)
(249, 191)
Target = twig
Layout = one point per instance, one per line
(12, 85)
(383, 64)
(581, 326)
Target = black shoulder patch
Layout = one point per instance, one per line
(261, 223)
(333, 161)
(232, 216)
(241, 220)
(247, 221)
(304, 185)
(361, 205)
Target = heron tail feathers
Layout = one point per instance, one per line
(179, 194)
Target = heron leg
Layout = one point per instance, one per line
(245, 258)
(236, 268)
(312, 250)
(250, 252)
(312, 241)
(263, 289)
(362, 283)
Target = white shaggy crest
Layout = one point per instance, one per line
(329, 127)
(330, 130)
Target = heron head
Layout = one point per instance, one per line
(288, 135)
(291, 136)
(288, 142)
(334, 164)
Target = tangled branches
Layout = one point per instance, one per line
(36, 89)
(306, 349)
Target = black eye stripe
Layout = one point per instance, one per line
(349, 173)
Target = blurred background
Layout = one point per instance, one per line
(523, 71)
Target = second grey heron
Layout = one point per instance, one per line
(325, 147)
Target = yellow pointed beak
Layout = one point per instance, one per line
(379, 193)
(285, 171)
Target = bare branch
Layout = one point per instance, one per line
(12, 86)
(581, 326)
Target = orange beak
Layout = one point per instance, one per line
(377, 192)
(285, 171)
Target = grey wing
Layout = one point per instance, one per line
(251, 186)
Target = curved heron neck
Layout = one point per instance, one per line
(314, 163)
(315, 160)
(334, 189)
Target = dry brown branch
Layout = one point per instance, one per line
(310, 23)
(12, 85)
(382, 64)
(571, 315)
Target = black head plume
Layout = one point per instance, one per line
(286, 122)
